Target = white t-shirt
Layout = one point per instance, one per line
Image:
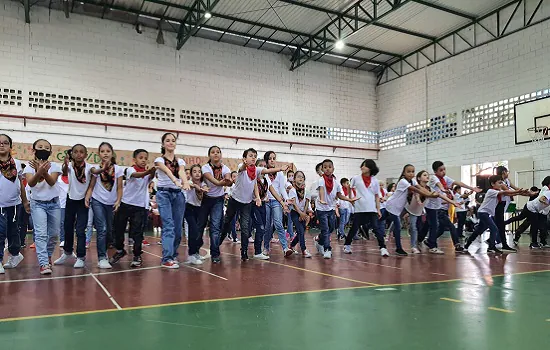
(314, 190)
(416, 206)
(101, 194)
(301, 204)
(330, 198)
(462, 201)
(436, 203)
(163, 179)
(215, 191)
(62, 190)
(191, 195)
(535, 206)
(344, 205)
(279, 185)
(77, 190)
(42, 191)
(11, 191)
(490, 202)
(383, 196)
(397, 202)
(367, 203)
(243, 191)
(136, 189)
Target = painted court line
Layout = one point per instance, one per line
(369, 263)
(106, 292)
(179, 324)
(531, 263)
(439, 274)
(190, 267)
(501, 310)
(453, 300)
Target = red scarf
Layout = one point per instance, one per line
(139, 169)
(108, 178)
(383, 192)
(9, 169)
(444, 183)
(329, 183)
(65, 179)
(217, 171)
(367, 180)
(251, 172)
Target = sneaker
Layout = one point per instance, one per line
(46, 269)
(159, 243)
(423, 247)
(87, 245)
(288, 252)
(104, 264)
(13, 261)
(33, 246)
(347, 249)
(327, 254)
(63, 258)
(136, 261)
(170, 265)
(175, 260)
(193, 260)
(79, 264)
(509, 249)
(145, 243)
(62, 244)
(534, 246)
(118, 255)
(23, 246)
(216, 260)
(244, 256)
(459, 249)
(265, 252)
(401, 252)
(306, 254)
(250, 240)
(319, 247)
(498, 245)
(436, 251)
(261, 256)
(2, 271)
(236, 241)
(494, 250)
(384, 252)
(198, 256)
(415, 250)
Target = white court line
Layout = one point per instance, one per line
(369, 263)
(106, 292)
(531, 263)
(190, 267)
(439, 274)
(179, 324)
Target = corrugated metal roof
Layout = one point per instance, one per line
(386, 40)
(475, 7)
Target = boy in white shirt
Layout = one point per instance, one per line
(537, 213)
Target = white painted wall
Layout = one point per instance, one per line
(95, 58)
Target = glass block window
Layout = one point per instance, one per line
(417, 132)
(10, 97)
(352, 135)
(442, 127)
(215, 120)
(393, 138)
(307, 130)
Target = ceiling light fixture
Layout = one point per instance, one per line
(339, 45)
(207, 15)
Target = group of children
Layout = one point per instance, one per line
(260, 196)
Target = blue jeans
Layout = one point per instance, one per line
(213, 207)
(396, 221)
(300, 230)
(9, 228)
(46, 216)
(327, 223)
(258, 222)
(171, 204)
(103, 222)
(344, 219)
(90, 226)
(485, 222)
(413, 229)
(274, 215)
(244, 209)
(431, 225)
(62, 225)
(289, 224)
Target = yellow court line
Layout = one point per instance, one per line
(453, 300)
(501, 310)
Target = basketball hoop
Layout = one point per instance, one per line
(538, 134)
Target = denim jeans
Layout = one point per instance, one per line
(327, 223)
(62, 225)
(461, 220)
(371, 221)
(300, 227)
(46, 216)
(133, 214)
(444, 222)
(344, 219)
(396, 223)
(76, 217)
(193, 236)
(103, 222)
(431, 225)
(9, 228)
(274, 215)
(485, 222)
(257, 221)
(244, 209)
(290, 224)
(211, 207)
(413, 229)
(171, 204)
(89, 225)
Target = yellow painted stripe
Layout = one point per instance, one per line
(501, 310)
(453, 300)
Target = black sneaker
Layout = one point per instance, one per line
(136, 261)
(401, 252)
(494, 250)
(459, 249)
(244, 256)
(118, 255)
(534, 246)
(509, 249)
(23, 246)
(216, 260)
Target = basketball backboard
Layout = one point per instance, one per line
(530, 114)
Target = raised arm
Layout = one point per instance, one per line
(168, 173)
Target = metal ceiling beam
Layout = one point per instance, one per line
(193, 20)
(469, 36)
(341, 28)
(294, 33)
(27, 6)
(362, 20)
(446, 9)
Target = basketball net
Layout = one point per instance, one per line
(538, 134)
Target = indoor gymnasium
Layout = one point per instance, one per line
(274, 174)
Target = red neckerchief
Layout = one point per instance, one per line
(262, 186)
(300, 191)
(345, 189)
(80, 172)
(383, 192)
(108, 177)
(251, 172)
(217, 170)
(9, 169)
(173, 166)
(444, 183)
(329, 183)
(139, 169)
(366, 180)
(272, 176)
(65, 179)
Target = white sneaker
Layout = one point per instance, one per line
(236, 240)
(200, 257)
(261, 256)
(415, 250)
(327, 254)
(288, 252)
(104, 264)
(193, 260)
(79, 264)
(347, 249)
(13, 261)
(384, 252)
(250, 240)
(2, 271)
(306, 254)
(320, 248)
(423, 247)
(62, 244)
(499, 245)
(63, 258)
(436, 251)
